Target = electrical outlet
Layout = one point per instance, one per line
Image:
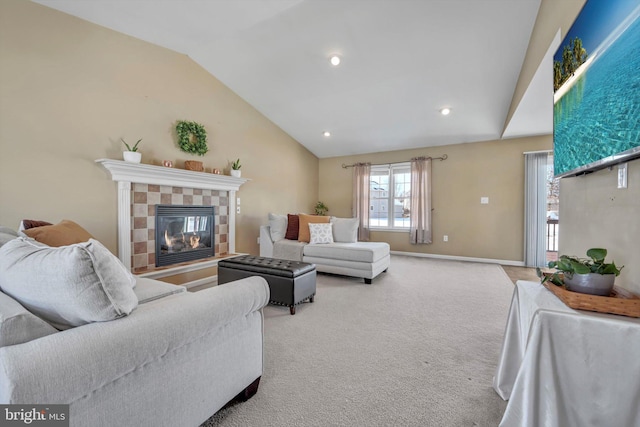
(445, 238)
(237, 209)
(484, 200)
(622, 175)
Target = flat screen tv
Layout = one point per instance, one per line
(596, 70)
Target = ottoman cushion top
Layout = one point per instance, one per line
(263, 265)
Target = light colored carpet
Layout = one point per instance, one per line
(418, 347)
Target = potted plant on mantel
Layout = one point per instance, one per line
(235, 169)
(131, 154)
(586, 275)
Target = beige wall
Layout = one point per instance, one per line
(552, 15)
(595, 213)
(494, 169)
(69, 90)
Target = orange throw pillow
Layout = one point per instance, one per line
(303, 233)
(62, 234)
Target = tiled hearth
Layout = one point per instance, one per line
(147, 196)
(141, 187)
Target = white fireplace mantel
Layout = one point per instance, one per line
(126, 173)
(160, 175)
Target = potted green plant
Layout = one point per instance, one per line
(235, 169)
(321, 208)
(590, 275)
(131, 154)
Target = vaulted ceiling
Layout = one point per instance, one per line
(401, 62)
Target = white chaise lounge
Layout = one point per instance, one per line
(344, 256)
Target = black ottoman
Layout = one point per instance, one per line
(290, 282)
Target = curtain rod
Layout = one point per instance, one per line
(441, 158)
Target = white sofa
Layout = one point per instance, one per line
(174, 360)
(351, 258)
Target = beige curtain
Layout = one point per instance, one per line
(420, 214)
(361, 185)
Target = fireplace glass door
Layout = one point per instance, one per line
(184, 233)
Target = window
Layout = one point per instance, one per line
(390, 196)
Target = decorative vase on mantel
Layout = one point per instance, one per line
(236, 173)
(132, 156)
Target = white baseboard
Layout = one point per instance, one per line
(461, 258)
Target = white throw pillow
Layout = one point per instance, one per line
(345, 230)
(277, 226)
(68, 285)
(17, 325)
(320, 233)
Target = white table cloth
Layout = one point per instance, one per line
(561, 367)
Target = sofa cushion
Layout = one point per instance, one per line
(303, 233)
(349, 268)
(62, 234)
(293, 226)
(69, 285)
(277, 226)
(149, 289)
(7, 234)
(320, 234)
(360, 251)
(18, 325)
(345, 230)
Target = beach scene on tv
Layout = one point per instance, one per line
(596, 81)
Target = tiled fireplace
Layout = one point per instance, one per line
(145, 199)
(141, 187)
(184, 233)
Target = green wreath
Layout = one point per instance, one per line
(192, 138)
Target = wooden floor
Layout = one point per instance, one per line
(520, 273)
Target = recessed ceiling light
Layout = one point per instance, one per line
(445, 111)
(326, 133)
(335, 60)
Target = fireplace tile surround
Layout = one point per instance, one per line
(147, 196)
(141, 187)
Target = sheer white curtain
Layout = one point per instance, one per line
(535, 209)
(361, 185)
(420, 212)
